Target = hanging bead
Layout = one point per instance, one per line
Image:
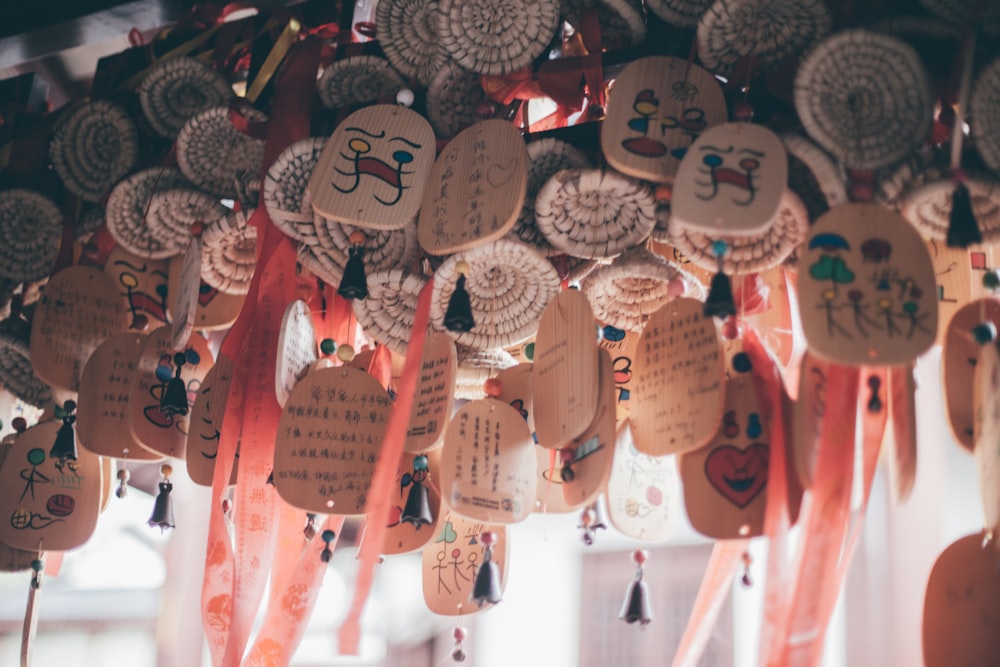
(874, 403)
(310, 530)
(719, 302)
(37, 566)
(459, 634)
(637, 606)
(747, 560)
(327, 346)
(123, 477)
(328, 536)
(458, 316)
(163, 507)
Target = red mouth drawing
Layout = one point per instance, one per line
(738, 474)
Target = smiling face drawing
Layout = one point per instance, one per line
(392, 172)
(731, 169)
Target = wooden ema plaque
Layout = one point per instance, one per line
(549, 497)
(296, 349)
(566, 371)
(658, 107)
(725, 481)
(404, 534)
(476, 189)
(516, 390)
(867, 288)
(185, 310)
(159, 427)
(731, 180)
(986, 401)
(678, 399)
(451, 560)
(775, 325)
(591, 452)
(488, 465)
(807, 421)
(959, 356)
(215, 310)
(903, 428)
(329, 437)
(962, 606)
(11, 558)
(205, 425)
(622, 346)
(643, 491)
(47, 503)
(959, 273)
(102, 416)
(432, 406)
(143, 284)
(374, 167)
(80, 307)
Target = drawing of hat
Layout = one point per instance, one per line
(475, 367)
(682, 13)
(213, 154)
(453, 98)
(408, 34)
(16, 373)
(128, 205)
(30, 234)
(286, 193)
(93, 147)
(172, 213)
(622, 23)
(356, 80)
(229, 252)
(387, 314)
(176, 89)
(984, 120)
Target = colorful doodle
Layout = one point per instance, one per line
(168, 370)
(740, 177)
(32, 476)
(140, 301)
(690, 122)
(368, 165)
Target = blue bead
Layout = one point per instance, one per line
(719, 248)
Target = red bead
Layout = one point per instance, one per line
(676, 287)
(20, 424)
(493, 387)
(486, 109)
(227, 505)
(743, 112)
(640, 556)
(197, 228)
(489, 538)
(862, 192)
(459, 633)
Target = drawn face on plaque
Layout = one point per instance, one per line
(205, 425)
(658, 107)
(643, 491)
(142, 283)
(451, 560)
(47, 502)
(866, 288)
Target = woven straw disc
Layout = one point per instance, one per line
(388, 312)
(635, 285)
(357, 80)
(286, 196)
(407, 33)
(622, 23)
(89, 222)
(768, 30)
(16, 374)
(213, 154)
(594, 213)
(984, 15)
(813, 176)
(453, 97)
(576, 268)
(985, 115)
(128, 205)
(545, 157)
(865, 98)
(928, 207)
(172, 212)
(683, 13)
(475, 367)
(496, 36)
(175, 90)
(319, 262)
(384, 248)
(509, 285)
(93, 148)
(229, 252)
(30, 234)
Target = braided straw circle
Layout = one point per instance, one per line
(496, 36)
(919, 167)
(407, 33)
(356, 80)
(213, 154)
(93, 148)
(509, 285)
(813, 176)
(89, 222)
(634, 286)
(176, 89)
(30, 234)
(172, 213)
(286, 192)
(229, 254)
(683, 13)
(865, 98)
(127, 207)
(16, 373)
(928, 206)
(384, 248)
(594, 213)
(320, 263)
(387, 314)
(475, 367)
(453, 98)
(984, 108)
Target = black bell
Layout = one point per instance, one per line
(486, 587)
(458, 316)
(163, 508)
(719, 302)
(963, 229)
(354, 284)
(174, 400)
(64, 447)
(417, 510)
(636, 607)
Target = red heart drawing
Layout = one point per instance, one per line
(738, 474)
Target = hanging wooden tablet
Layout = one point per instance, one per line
(678, 398)
(621, 345)
(107, 479)
(143, 284)
(902, 391)
(488, 468)
(163, 389)
(11, 558)
(986, 403)
(329, 437)
(672, 254)
(206, 423)
(566, 372)
(959, 273)
(296, 349)
(48, 502)
(516, 390)
(185, 310)
(215, 310)
(658, 107)
(432, 406)
(643, 491)
(962, 606)
(725, 481)
(730, 181)
(958, 364)
(374, 167)
(588, 456)
(866, 288)
(807, 421)
(775, 322)
(79, 308)
(549, 483)
(102, 417)
(416, 506)
(451, 561)
(476, 189)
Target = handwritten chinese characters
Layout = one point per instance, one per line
(296, 349)
(432, 406)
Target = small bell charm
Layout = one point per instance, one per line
(163, 507)
(592, 519)
(458, 316)
(354, 284)
(745, 579)
(417, 511)
(328, 537)
(37, 567)
(459, 634)
(719, 302)
(174, 400)
(963, 229)
(636, 607)
(486, 587)
(64, 448)
(123, 477)
(310, 530)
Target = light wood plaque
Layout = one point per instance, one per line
(959, 356)
(141, 282)
(205, 425)
(216, 310)
(595, 447)
(451, 560)
(986, 400)
(435, 399)
(643, 491)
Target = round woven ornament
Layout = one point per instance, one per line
(128, 205)
(622, 23)
(813, 176)
(213, 154)
(16, 374)
(594, 213)
(475, 367)
(407, 33)
(30, 234)
(496, 36)
(356, 80)
(93, 148)
(984, 107)
(984, 14)
(229, 252)
(176, 89)
(635, 285)
(319, 262)
(545, 157)
(89, 222)
(453, 98)
(173, 212)
(509, 285)
(683, 13)
(865, 98)
(919, 167)
(572, 269)
(388, 312)
(384, 248)
(286, 194)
